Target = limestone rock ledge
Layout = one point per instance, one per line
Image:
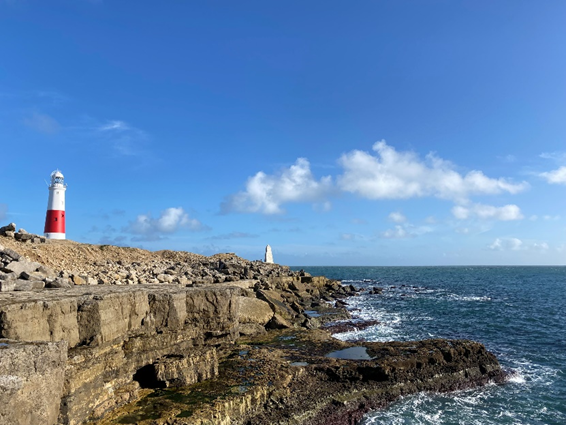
(31, 381)
(112, 334)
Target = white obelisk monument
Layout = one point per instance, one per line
(268, 255)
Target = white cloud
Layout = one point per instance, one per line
(397, 217)
(323, 206)
(114, 125)
(169, 221)
(391, 174)
(487, 212)
(509, 158)
(515, 244)
(266, 193)
(399, 232)
(430, 220)
(502, 244)
(541, 246)
(555, 156)
(405, 231)
(387, 174)
(125, 139)
(555, 177)
(42, 123)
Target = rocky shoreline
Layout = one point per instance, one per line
(103, 334)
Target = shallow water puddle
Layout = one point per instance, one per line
(352, 353)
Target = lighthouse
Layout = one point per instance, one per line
(55, 218)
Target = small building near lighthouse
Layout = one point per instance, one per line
(55, 217)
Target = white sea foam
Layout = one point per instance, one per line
(469, 298)
(433, 409)
(388, 328)
(516, 378)
(525, 371)
(533, 391)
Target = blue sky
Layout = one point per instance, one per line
(341, 133)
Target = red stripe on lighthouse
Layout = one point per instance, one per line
(55, 221)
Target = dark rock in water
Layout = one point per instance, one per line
(349, 326)
(375, 290)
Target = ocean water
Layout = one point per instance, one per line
(519, 313)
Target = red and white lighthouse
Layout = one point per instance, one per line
(55, 218)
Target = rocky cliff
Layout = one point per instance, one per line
(124, 335)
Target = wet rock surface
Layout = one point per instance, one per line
(350, 326)
(288, 377)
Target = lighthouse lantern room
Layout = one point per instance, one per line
(55, 218)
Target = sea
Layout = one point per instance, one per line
(518, 313)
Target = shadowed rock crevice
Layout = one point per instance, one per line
(146, 378)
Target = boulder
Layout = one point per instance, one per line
(253, 310)
(32, 276)
(18, 267)
(7, 285)
(251, 329)
(7, 276)
(23, 237)
(78, 280)
(278, 322)
(28, 285)
(11, 253)
(47, 271)
(297, 286)
(9, 228)
(60, 282)
(277, 304)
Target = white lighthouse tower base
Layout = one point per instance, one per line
(55, 235)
